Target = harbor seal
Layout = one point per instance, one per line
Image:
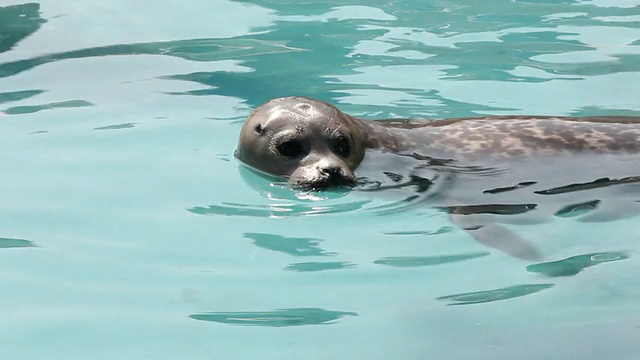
(488, 166)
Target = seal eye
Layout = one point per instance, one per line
(290, 148)
(342, 147)
(258, 129)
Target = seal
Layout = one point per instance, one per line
(315, 145)
(483, 161)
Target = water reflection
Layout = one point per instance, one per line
(417, 261)
(472, 42)
(6, 243)
(595, 184)
(575, 264)
(480, 201)
(441, 230)
(18, 95)
(17, 22)
(302, 70)
(579, 209)
(188, 49)
(486, 203)
(276, 210)
(288, 245)
(127, 284)
(326, 47)
(319, 266)
(21, 110)
(479, 297)
(334, 45)
(116, 127)
(276, 318)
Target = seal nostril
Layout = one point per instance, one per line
(331, 170)
(304, 107)
(335, 176)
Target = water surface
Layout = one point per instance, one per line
(128, 229)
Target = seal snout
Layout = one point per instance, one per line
(336, 176)
(324, 176)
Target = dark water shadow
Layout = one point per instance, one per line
(6, 243)
(6, 97)
(479, 297)
(417, 261)
(441, 230)
(574, 210)
(116, 127)
(312, 53)
(288, 245)
(276, 210)
(595, 184)
(600, 111)
(207, 49)
(22, 110)
(328, 43)
(17, 22)
(321, 53)
(275, 318)
(314, 266)
(575, 264)
(316, 53)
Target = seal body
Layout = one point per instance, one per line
(512, 137)
(304, 139)
(531, 168)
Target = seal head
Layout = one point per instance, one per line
(310, 142)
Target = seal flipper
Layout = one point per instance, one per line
(485, 230)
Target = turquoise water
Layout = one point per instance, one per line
(128, 230)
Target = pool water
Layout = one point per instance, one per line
(129, 230)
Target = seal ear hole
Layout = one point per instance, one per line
(342, 147)
(290, 148)
(258, 129)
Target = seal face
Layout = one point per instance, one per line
(309, 142)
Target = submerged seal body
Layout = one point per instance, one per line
(495, 165)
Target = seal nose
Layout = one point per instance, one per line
(331, 170)
(335, 175)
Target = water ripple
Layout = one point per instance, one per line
(415, 261)
(6, 243)
(116, 127)
(282, 210)
(6, 97)
(288, 245)
(575, 264)
(21, 110)
(276, 318)
(313, 266)
(479, 297)
(17, 22)
(188, 49)
(442, 230)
